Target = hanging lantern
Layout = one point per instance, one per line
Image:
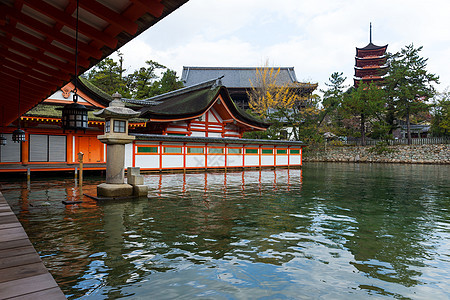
(74, 116)
(18, 136)
(2, 140)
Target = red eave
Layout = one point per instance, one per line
(37, 42)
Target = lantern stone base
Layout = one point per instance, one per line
(114, 190)
(140, 190)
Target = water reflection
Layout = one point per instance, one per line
(329, 230)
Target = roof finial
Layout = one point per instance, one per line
(371, 32)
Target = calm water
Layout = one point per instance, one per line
(331, 231)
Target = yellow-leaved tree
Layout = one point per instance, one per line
(290, 107)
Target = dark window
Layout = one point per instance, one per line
(119, 126)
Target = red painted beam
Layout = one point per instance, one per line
(25, 78)
(49, 32)
(27, 71)
(10, 82)
(8, 91)
(36, 54)
(153, 7)
(107, 14)
(34, 65)
(66, 19)
(42, 44)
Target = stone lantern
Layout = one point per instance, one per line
(115, 137)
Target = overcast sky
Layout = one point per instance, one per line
(315, 37)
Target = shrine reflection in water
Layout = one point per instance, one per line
(329, 230)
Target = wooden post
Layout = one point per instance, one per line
(80, 160)
(28, 175)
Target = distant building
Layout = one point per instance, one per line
(370, 63)
(239, 81)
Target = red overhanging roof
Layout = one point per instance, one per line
(37, 42)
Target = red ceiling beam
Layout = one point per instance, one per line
(34, 65)
(50, 32)
(66, 19)
(26, 71)
(28, 79)
(154, 7)
(42, 44)
(107, 14)
(7, 92)
(36, 54)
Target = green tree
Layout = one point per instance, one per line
(440, 124)
(141, 81)
(168, 82)
(107, 75)
(333, 96)
(366, 102)
(408, 84)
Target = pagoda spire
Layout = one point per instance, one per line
(370, 34)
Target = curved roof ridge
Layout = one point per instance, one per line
(371, 46)
(155, 99)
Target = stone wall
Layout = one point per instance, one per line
(414, 154)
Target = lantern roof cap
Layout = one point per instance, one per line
(117, 109)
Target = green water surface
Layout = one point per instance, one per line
(327, 231)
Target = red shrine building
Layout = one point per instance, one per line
(194, 128)
(370, 63)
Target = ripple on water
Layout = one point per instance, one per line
(328, 231)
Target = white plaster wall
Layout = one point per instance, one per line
(198, 133)
(294, 159)
(195, 161)
(267, 160)
(234, 160)
(282, 160)
(128, 155)
(251, 160)
(214, 134)
(216, 160)
(172, 161)
(147, 161)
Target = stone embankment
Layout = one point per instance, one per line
(413, 154)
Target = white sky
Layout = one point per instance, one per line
(316, 37)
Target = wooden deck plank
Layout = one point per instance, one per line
(9, 225)
(52, 293)
(27, 285)
(22, 273)
(8, 219)
(6, 213)
(16, 251)
(19, 260)
(12, 237)
(15, 243)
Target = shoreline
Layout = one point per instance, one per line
(399, 154)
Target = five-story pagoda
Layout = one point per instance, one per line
(370, 63)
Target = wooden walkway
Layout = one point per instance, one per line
(22, 273)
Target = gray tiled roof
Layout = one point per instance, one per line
(232, 77)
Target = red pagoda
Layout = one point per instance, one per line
(370, 63)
